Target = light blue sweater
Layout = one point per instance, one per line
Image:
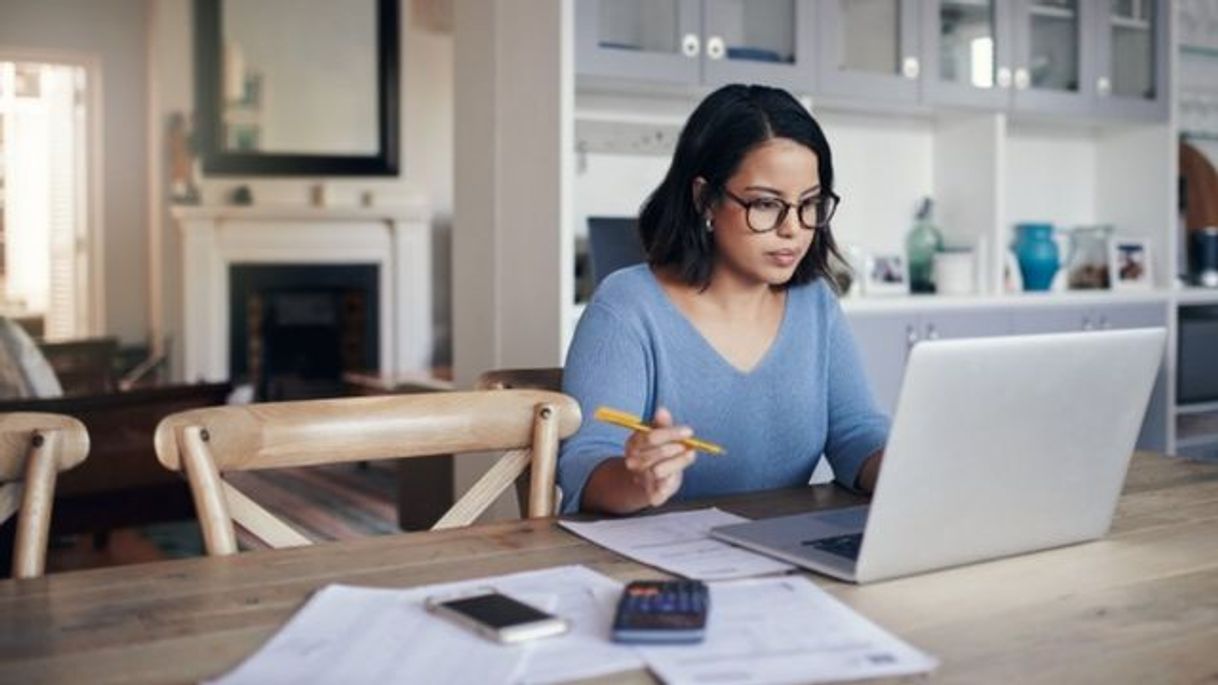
(634, 350)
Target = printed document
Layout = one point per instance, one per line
(370, 635)
(784, 630)
(679, 543)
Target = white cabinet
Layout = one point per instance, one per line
(885, 338)
(691, 42)
(1153, 435)
(1063, 319)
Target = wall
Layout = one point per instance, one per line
(113, 32)
(426, 127)
(882, 167)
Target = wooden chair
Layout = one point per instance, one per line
(549, 378)
(34, 448)
(204, 443)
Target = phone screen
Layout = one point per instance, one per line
(496, 611)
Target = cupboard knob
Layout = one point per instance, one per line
(1003, 77)
(715, 48)
(1022, 79)
(910, 68)
(690, 45)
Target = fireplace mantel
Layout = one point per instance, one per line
(396, 239)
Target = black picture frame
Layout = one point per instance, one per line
(220, 161)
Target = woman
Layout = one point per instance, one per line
(731, 329)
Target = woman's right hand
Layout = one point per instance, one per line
(657, 459)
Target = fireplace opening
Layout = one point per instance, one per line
(296, 329)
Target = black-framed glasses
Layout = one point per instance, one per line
(765, 214)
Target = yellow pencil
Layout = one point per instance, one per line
(621, 418)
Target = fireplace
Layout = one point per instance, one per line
(391, 245)
(295, 329)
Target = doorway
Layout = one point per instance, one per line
(46, 217)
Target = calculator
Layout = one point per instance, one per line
(662, 612)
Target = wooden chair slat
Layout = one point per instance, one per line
(34, 521)
(485, 491)
(210, 503)
(261, 523)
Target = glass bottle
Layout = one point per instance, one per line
(921, 244)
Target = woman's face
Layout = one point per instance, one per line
(779, 169)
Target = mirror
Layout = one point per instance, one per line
(297, 87)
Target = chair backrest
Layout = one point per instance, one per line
(34, 448)
(203, 443)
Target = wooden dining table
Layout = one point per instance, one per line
(1138, 606)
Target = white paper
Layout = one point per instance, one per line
(679, 543)
(784, 630)
(366, 635)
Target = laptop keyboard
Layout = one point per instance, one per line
(846, 546)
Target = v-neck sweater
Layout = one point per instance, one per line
(807, 396)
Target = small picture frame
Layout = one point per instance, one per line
(886, 274)
(1129, 264)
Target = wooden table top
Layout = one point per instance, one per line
(1139, 606)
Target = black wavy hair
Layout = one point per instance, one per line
(728, 124)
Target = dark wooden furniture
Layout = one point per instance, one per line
(1139, 606)
(121, 484)
(85, 366)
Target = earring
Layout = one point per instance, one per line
(710, 228)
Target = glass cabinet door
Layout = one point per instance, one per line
(869, 49)
(760, 41)
(967, 52)
(1053, 55)
(653, 40)
(1133, 40)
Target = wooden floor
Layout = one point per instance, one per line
(341, 502)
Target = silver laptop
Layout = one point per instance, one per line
(999, 446)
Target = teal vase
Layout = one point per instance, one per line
(1037, 254)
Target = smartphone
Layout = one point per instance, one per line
(498, 617)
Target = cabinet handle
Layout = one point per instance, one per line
(932, 333)
(1103, 86)
(1003, 77)
(690, 45)
(1087, 325)
(715, 49)
(911, 337)
(910, 68)
(1022, 79)
(1104, 324)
